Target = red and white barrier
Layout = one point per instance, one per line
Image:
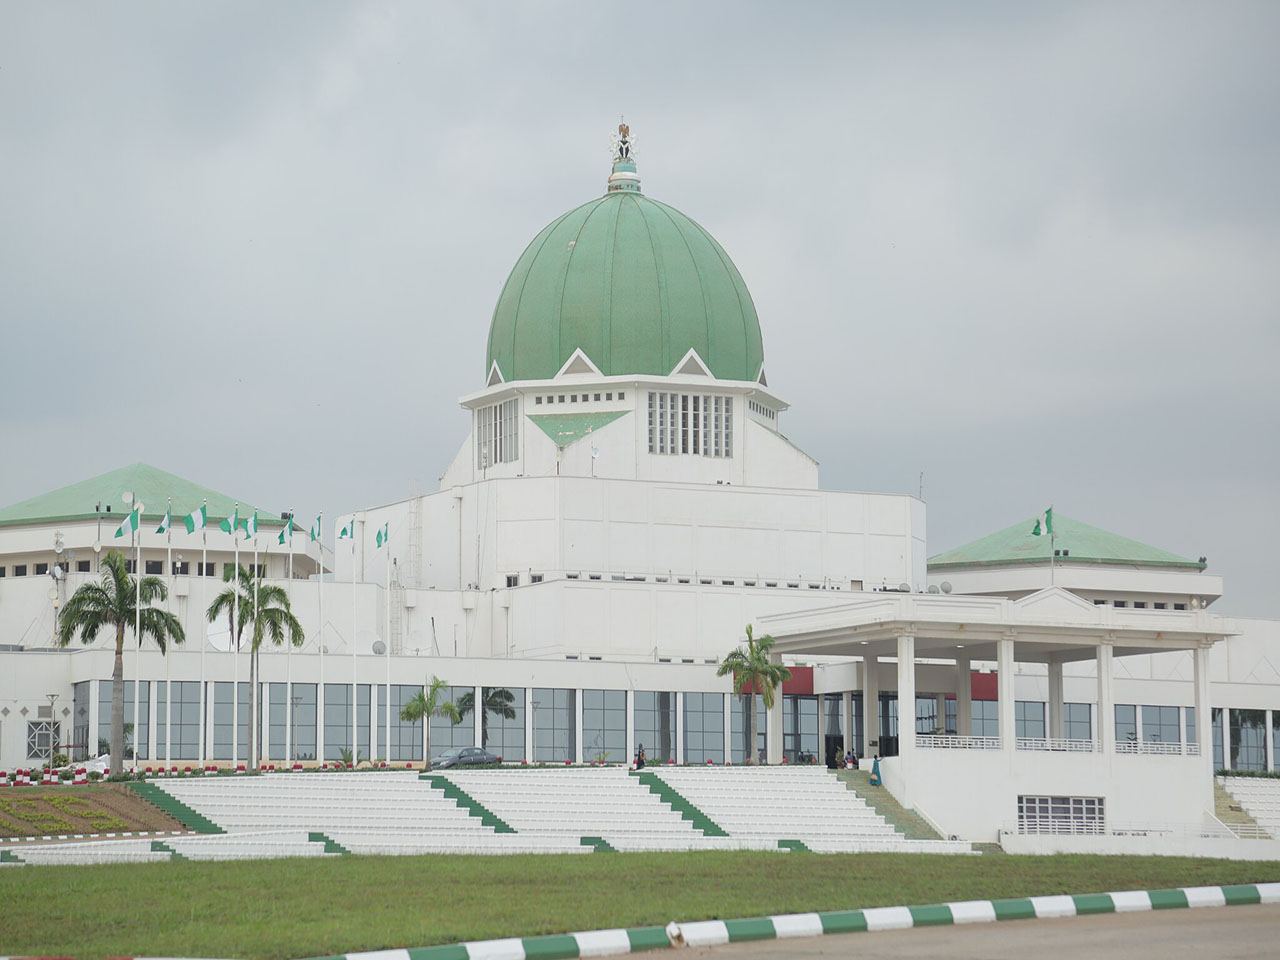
(4, 778)
(81, 778)
(23, 779)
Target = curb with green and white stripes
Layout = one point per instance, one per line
(705, 933)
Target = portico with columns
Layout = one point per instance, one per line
(971, 785)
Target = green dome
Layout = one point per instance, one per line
(632, 282)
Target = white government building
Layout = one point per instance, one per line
(624, 504)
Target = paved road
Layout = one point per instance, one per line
(1222, 933)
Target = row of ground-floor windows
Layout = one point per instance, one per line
(554, 726)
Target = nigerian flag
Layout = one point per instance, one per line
(1044, 524)
(315, 529)
(348, 530)
(166, 522)
(196, 519)
(251, 526)
(230, 524)
(287, 532)
(130, 524)
(382, 536)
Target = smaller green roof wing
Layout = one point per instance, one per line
(1082, 542)
(154, 487)
(567, 428)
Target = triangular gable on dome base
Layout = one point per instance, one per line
(579, 363)
(495, 375)
(762, 379)
(691, 364)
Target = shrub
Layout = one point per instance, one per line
(60, 760)
(95, 775)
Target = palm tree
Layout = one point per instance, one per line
(267, 608)
(753, 672)
(497, 701)
(426, 705)
(120, 602)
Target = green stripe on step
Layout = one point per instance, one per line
(452, 951)
(843, 921)
(1087, 903)
(750, 928)
(937, 915)
(1167, 899)
(646, 938)
(557, 947)
(1240, 894)
(1016, 908)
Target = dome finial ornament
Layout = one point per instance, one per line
(623, 153)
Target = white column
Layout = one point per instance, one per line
(577, 721)
(477, 715)
(871, 706)
(906, 713)
(846, 710)
(941, 711)
(1004, 693)
(773, 727)
(1204, 725)
(964, 698)
(528, 724)
(1106, 702)
(728, 727)
(1056, 708)
(631, 728)
(679, 726)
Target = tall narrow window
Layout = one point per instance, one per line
(497, 433)
(698, 424)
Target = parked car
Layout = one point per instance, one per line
(464, 757)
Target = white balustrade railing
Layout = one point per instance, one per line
(1093, 827)
(1193, 749)
(1162, 749)
(1157, 748)
(1057, 745)
(952, 742)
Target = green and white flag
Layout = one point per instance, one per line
(1044, 524)
(348, 531)
(232, 522)
(251, 526)
(382, 536)
(315, 529)
(196, 519)
(166, 522)
(287, 532)
(130, 524)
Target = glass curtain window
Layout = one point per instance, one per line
(986, 718)
(1077, 723)
(1248, 740)
(1189, 719)
(926, 714)
(503, 723)
(362, 721)
(1126, 723)
(303, 715)
(1275, 734)
(337, 720)
(277, 711)
(604, 726)
(555, 725)
(497, 434)
(953, 712)
(161, 717)
(1219, 762)
(655, 722)
(445, 734)
(1028, 719)
(80, 720)
(224, 725)
(184, 719)
(144, 718)
(1160, 725)
(406, 738)
(738, 729)
(800, 728)
(704, 727)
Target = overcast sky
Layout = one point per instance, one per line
(1030, 250)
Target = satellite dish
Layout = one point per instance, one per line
(946, 586)
(379, 648)
(57, 547)
(595, 453)
(97, 546)
(904, 588)
(933, 588)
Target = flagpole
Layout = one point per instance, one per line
(168, 606)
(288, 651)
(255, 681)
(355, 687)
(234, 646)
(388, 704)
(320, 693)
(137, 625)
(204, 633)
(1052, 542)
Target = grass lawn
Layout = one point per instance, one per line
(306, 907)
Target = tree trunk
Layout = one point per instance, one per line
(117, 706)
(426, 742)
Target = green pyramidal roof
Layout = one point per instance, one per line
(1081, 543)
(154, 487)
(568, 428)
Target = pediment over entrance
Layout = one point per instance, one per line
(1054, 603)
